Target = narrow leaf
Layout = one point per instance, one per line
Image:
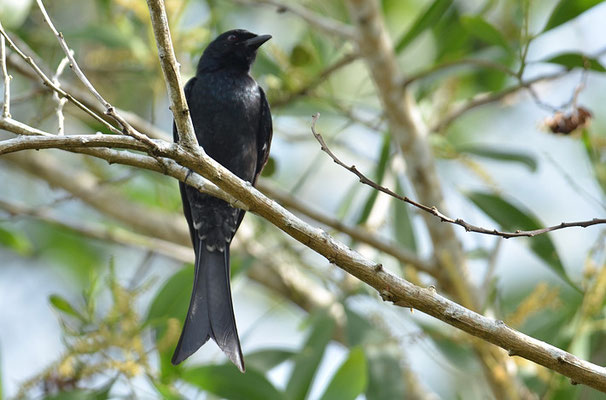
(350, 379)
(567, 10)
(15, 241)
(226, 381)
(512, 218)
(310, 356)
(379, 175)
(264, 360)
(61, 304)
(432, 15)
(576, 60)
(500, 155)
(172, 299)
(402, 224)
(385, 375)
(483, 30)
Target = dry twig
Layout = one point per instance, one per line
(434, 211)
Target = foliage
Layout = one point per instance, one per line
(497, 168)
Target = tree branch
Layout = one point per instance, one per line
(390, 287)
(172, 77)
(358, 234)
(109, 109)
(434, 211)
(6, 113)
(327, 25)
(484, 99)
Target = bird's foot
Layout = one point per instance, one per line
(189, 173)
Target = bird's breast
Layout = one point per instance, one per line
(225, 110)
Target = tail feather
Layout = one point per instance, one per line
(210, 313)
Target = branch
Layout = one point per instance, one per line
(109, 109)
(327, 25)
(390, 286)
(115, 235)
(172, 77)
(434, 211)
(321, 77)
(358, 234)
(6, 113)
(49, 83)
(80, 95)
(484, 99)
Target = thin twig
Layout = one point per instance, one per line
(48, 82)
(391, 287)
(434, 211)
(475, 62)
(6, 113)
(97, 231)
(84, 97)
(487, 99)
(325, 24)
(127, 129)
(318, 79)
(60, 100)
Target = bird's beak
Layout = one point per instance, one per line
(257, 41)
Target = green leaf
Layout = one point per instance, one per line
(172, 299)
(402, 224)
(167, 392)
(264, 360)
(512, 218)
(483, 30)
(310, 356)
(432, 15)
(270, 167)
(350, 379)
(576, 60)
(15, 241)
(567, 10)
(451, 39)
(106, 35)
(385, 375)
(226, 381)
(499, 154)
(300, 55)
(359, 331)
(379, 175)
(61, 304)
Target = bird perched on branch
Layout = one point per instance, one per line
(232, 122)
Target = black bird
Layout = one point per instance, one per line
(232, 122)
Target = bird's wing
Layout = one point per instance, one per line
(186, 208)
(264, 135)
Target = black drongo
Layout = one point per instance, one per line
(232, 122)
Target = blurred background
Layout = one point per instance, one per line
(95, 260)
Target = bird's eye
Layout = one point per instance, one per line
(231, 38)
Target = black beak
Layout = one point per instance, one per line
(257, 41)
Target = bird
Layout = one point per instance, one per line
(232, 122)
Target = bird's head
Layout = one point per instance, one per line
(235, 49)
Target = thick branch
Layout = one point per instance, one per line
(358, 234)
(391, 287)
